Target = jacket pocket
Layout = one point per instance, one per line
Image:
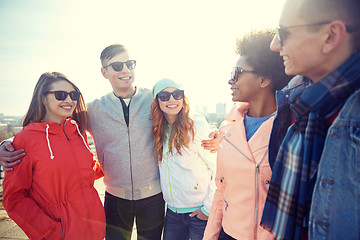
(265, 175)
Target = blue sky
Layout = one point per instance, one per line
(192, 41)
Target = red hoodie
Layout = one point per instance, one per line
(51, 193)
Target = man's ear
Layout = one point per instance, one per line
(104, 73)
(335, 36)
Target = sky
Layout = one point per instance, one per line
(190, 41)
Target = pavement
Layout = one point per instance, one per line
(10, 231)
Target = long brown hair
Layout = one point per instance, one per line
(179, 135)
(36, 111)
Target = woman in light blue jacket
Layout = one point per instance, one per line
(186, 169)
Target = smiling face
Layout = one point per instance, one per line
(57, 111)
(172, 107)
(302, 47)
(122, 81)
(247, 86)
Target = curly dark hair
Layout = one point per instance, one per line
(255, 46)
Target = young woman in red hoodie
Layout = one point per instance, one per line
(51, 194)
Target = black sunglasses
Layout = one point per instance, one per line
(62, 95)
(236, 71)
(165, 96)
(282, 34)
(118, 66)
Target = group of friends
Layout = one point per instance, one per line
(284, 163)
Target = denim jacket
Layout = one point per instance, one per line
(335, 208)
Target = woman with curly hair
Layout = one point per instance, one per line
(243, 172)
(186, 169)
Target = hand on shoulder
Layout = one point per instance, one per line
(9, 157)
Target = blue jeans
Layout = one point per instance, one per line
(180, 226)
(120, 213)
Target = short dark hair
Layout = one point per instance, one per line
(255, 46)
(111, 51)
(347, 11)
(37, 111)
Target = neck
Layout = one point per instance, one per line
(170, 119)
(262, 107)
(125, 93)
(58, 121)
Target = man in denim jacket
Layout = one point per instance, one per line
(315, 142)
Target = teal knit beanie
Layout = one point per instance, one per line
(164, 83)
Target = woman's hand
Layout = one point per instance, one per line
(212, 143)
(199, 214)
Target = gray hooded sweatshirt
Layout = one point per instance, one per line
(125, 153)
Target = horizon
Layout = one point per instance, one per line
(192, 42)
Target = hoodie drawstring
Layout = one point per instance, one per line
(77, 127)
(48, 141)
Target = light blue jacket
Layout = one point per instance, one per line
(335, 208)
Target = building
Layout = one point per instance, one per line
(221, 109)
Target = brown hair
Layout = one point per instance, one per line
(111, 51)
(36, 111)
(179, 135)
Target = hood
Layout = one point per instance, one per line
(68, 127)
(54, 128)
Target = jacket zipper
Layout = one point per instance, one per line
(79, 174)
(257, 172)
(257, 197)
(131, 172)
(62, 230)
(238, 149)
(225, 202)
(167, 164)
(65, 132)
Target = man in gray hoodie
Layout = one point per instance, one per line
(121, 123)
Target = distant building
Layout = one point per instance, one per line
(11, 120)
(221, 109)
(205, 111)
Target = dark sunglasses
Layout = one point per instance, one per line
(165, 96)
(118, 66)
(236, 71)
(62, 95)
(282, 34)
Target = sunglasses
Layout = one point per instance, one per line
(118, 66)
(282, 34)
(165, 96)
(236, 71)
(62, 95)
